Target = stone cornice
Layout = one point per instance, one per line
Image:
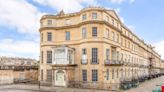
(78, 42)
(81, 24)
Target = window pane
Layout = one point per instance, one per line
(84, 33)
(113, 36)
(94, 31)
(94, 55)
(112, 73)
(84, 56)
(112, 21)
(67, 21)
(107, 54)
(84, 74)
(117, 73)
(59, 56)
(84, 17)
(49, 22)
(107, 33)
(94, 15)
(107, 18)
(42, 57)
(117, 55)
(42, 74)
(94, 75)
(117, 37)
(67, 35)
(84, 51)
(49, 56)
(49, 36)
(49, 75)
(107, 75)
(42, 37)
(70, 56)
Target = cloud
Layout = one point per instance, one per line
(23, 17)
(116, 1)
(67, 5)
(117, 10)
(131, 1)
(19, 15)
(121, 1)
(132, 28)
(159, 47)
(10, 47)
(122, 19)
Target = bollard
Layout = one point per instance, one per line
(39, 85)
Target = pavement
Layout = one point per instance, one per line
(146, 86)
(15, 90)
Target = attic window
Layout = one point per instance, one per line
(94, 15)
(84, 16)
(67, 21)
(49, 22)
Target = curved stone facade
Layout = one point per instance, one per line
(106, 52)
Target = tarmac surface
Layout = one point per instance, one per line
(146, 86)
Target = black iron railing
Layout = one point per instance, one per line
(84, 61)
(93, 85)
(113, 62)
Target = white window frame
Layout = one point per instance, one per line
(84, 32)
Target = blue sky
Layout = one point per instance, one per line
(19, 21)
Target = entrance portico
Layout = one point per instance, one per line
(60, 79)
(62, 74)
(63, 66)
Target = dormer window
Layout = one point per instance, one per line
(94, 15)
(84, 16)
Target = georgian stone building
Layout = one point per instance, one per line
(162, 67)
(92, 48)
(14, 69)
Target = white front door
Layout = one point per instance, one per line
(60, 79)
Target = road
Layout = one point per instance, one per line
(14, 90)
(146, 86)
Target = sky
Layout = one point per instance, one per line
(19, 21)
